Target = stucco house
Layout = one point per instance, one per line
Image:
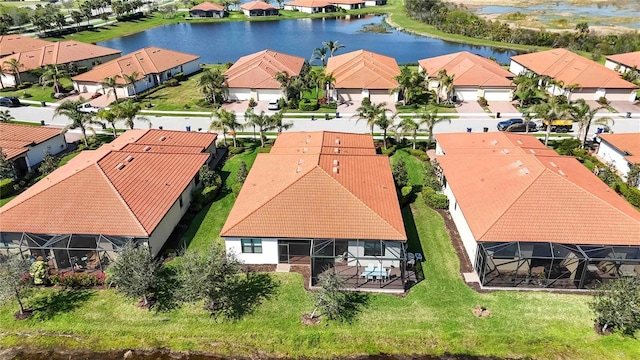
(207, 9)
(348, 4)
(474, 76)
(324, 200)
(259, 8)
(311, 6)
(15, 43)
(514, 204)
(26, 146)
(591, 80)
(620, 150)
(153, 66)
(69, 53)
(136, 188)
(623, 62)
(253, 76)
(361, 74)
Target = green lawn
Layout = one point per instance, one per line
(36, 92)
(434, 318)
(6, 200)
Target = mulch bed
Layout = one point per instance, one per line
(258, 268)
(599, 331)
(25, 314)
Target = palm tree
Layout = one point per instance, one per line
(213, 86)
(585, 116)
(410, 126)
(445, 84)
(112, 84)
(262, 121)
(52, 75)
(329, 82)
(78, 118)
(370, 113)
(431, 119)
(384, 123)
(319, 53)
(409, 84)
(276, 122)
(550, 110)
(5, 116)
(226, 121)
(127, 111)
(110, 117)
(332, 46)
(131, 79)
(14, 66)
(286, 83)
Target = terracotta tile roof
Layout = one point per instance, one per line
(317, 142)
(258, 70)
(10, 44)
(625, 143)
(469, 70)
(62, 52)
(149, 60)
(207, 6)
(524, 197)
(347, 1)
(15, 139)
(309, 3)
(563, 65)
(257, 5)
(126, 200)
(302, 196)
(627, 59)
(363, 70)
(469, 143)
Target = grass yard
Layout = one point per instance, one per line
(36, 92)
(434, 318)
(6, 200)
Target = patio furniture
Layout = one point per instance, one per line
(418, 257)
(367, 272)
(627, 270)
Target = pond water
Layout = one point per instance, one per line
(226, 42)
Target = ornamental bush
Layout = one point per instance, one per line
(235, 150)
(617, 306)
(435, 200)
(6, 188)
(78, 280)
(308, 105)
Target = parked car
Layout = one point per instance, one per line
(273, 105)
(522, 127)
(559, 126)
(10, 102)
(503, 125)
(87, 107)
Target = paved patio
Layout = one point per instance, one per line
(101, 101)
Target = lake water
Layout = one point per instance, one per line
(226, 42)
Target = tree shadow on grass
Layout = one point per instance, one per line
(354, 303)
(413, 239)
(59, 302)
(165, 296)
(241, 296)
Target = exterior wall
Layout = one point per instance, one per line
(239, 94)
(269, 251)
(439, 150)
(616, 66)
(268, 94)
(378, 96)
(392, 249)
(610, 154)
(349, 94)
(54, 145)
(516, 68)
(466, 93)
(210, 14)
(271, 12)
(161, 233)
(349, 6)
(469, 241)
(304, 9)
(375, 2)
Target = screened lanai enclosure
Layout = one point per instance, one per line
(552, 265)
(64, 253)
(375, 265)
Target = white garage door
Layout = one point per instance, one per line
(239, 94)
(380, 96)
(620, 95)
(467, 95)
(269, 94)
(583, 94)
(349, 95)
(497, 95)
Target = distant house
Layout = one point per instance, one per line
(375, 2)
(69, 53)
(136, 188)
(474, 76)
(324, 200)
(361, 74)
(623, 62)
(207, 9)
(253, 76)
(348, 4)
(590, 79)
(26, 146)
(153, 66)
(620, 150)
(11, 44)
(259, 8)
(311, 6)
(514, 204)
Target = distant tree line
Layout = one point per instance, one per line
(456, 19)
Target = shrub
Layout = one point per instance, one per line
(633, 197)
(617, 306)
(242, 173)
(333, 106)
(435, 200)
(264, 150)
(235, 188)
(602, 101)
(252, 103)
(308, 105)
(82, 69)
(430, 177)
(209, 177)
(78, 280)
(209, 193)
(416, 152)
(388, 151)
(180, 76)
(366, 101)
(405, 195)
(24, 85)
(26, 95)
(400, 174)
(235, 150)
(172, 82)
(483, 102)
(6, 187)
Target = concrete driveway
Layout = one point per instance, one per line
(626, 106)
(503, 107)
(470, 107)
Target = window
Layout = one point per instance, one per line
(251, 246)
(373, 248)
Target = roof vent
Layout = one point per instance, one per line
(532, 151)
(525, 171)
(561, 173)
(300, 162)
(307, 140)
(494, 142)
(335, 162)
(520, 142)
(147, 148)
(304, 150)
(129, 158)
(336, 150)
(505, 150)
(298, 169)
(335, 169)
(553, 164)
(120, 166)
(163, 138)
(337, 141)
(519, 163)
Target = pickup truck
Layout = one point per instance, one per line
(88, 108)
(559, 126)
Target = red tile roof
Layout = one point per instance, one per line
(62, 52)
(627, 59)
(491, 142)
(363, 69)
(309, 3)
(131, 190)
(258, 70)
(526, 197)
(291, 194)
(207, 6)
(625, 143)
(469, 70)
(150, 60)
(257, 5)
(10, 44)
(563, 65)
(16, 139)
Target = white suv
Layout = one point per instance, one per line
(273, 105)
(87, 107)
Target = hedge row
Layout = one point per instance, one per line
(6, 188)
(435, 200)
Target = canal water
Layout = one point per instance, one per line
(226, 42)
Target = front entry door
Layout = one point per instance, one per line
(283, 253)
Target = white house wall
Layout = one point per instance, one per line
(516, 68)
(304, 9)
(239, 93)
(379, 96)
(611, 155)
(392, 250)
(36, 153)
(616, 66)
(269, 253)
(468, 240)
(268, 94)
